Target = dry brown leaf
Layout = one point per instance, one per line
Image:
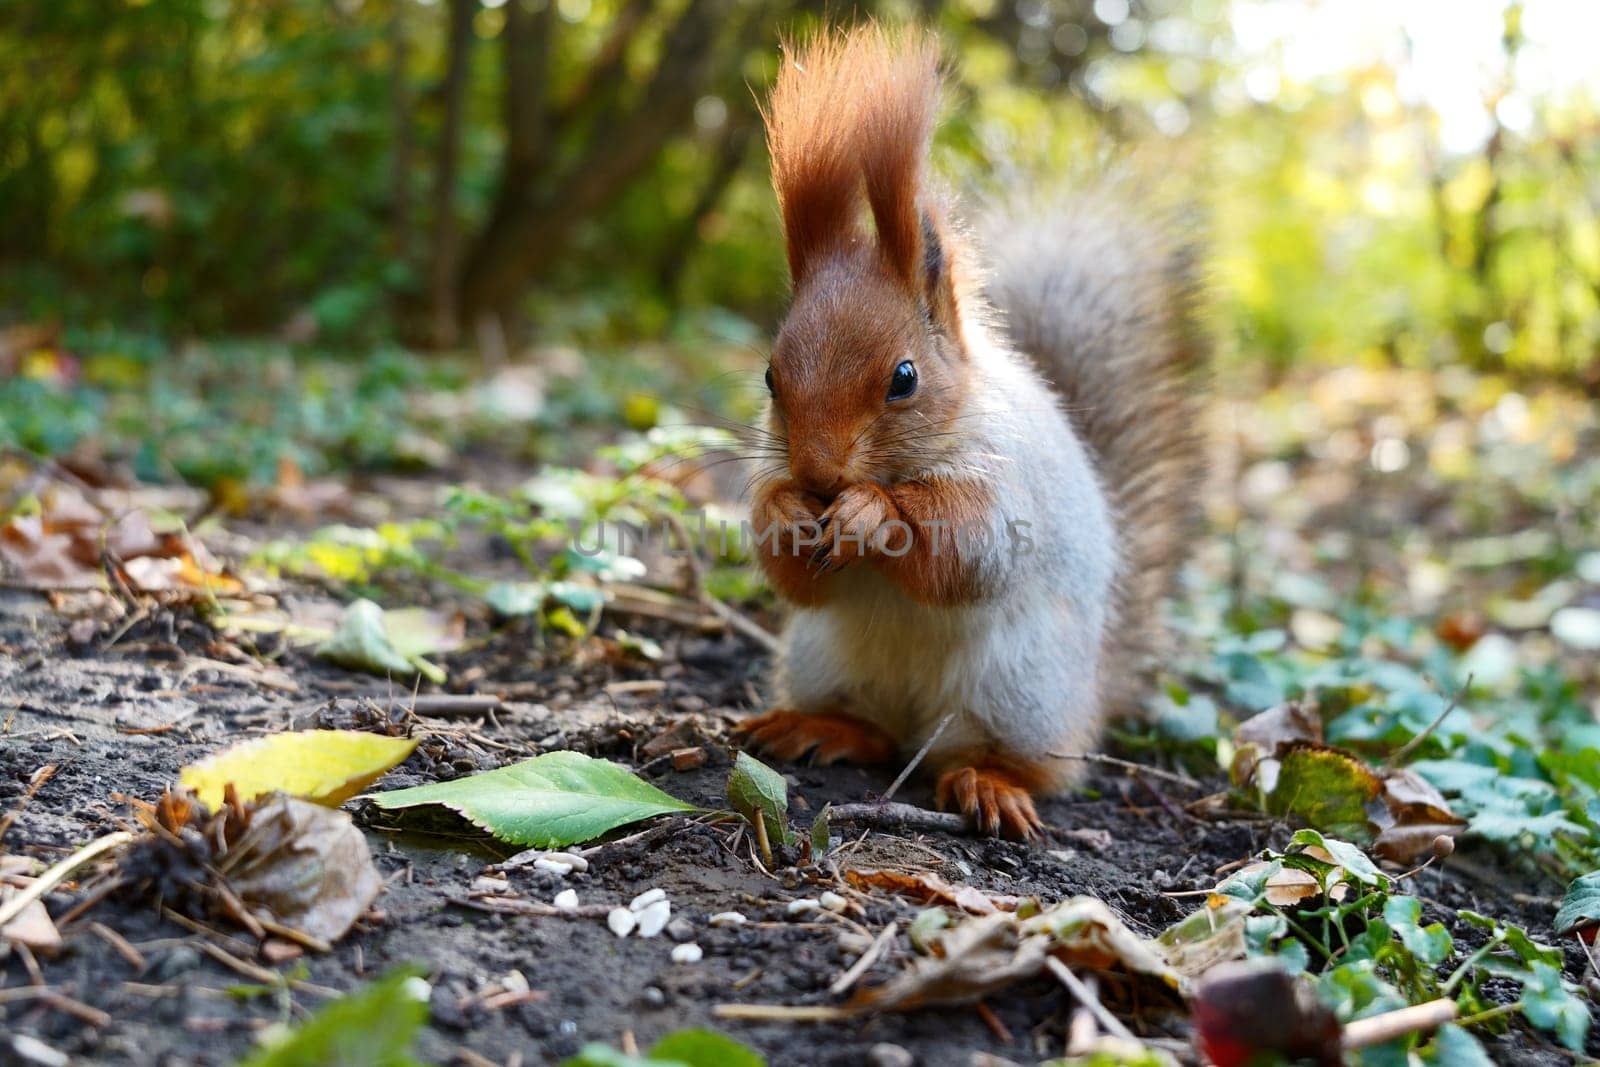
(33, 928)
(929, 888)
(305, 866)
(1264, 737)
(985, 953)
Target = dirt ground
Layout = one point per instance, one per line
(121, 720)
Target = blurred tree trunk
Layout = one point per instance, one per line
(446, 232)
(400, 191)
(542, 198)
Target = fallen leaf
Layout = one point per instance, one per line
(985, 953)
(1210, 935)
(929, 888)
(366, 642)
(324, 766)
(1266, 736)
(306, 866)
(559, 798)
(32, 927)
(1326, 787)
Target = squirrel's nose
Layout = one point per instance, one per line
(816, 474)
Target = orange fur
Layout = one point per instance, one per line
(828, 737)
(996, 792)
(852, 111)
(933, 571)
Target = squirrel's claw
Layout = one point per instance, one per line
(829, 737)
(993, 799)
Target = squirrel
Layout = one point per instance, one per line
(984, 445)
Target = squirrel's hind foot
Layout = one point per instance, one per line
(997, 799)
(830, 737)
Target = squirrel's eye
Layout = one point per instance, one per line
(769, 380)
(903, 382)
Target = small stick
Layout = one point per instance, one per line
(1392, 1024)
(58, 874)
(1085, 996)
(450, 705)
(922, 753)
(120, 946)
(781, 1013)
(849, 978)
(1000, 1030)
(36, 782)
(1129, 766)
(894, 816)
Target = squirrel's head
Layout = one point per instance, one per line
(868, 372)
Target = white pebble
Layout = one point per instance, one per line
(555, 866)
(833, 901)
(571, 859)
(566, 900)
(727, 918)
(653, 919)
(514, 982)
(647, 898)
(621, 921)
(804, 904)
(687, 953)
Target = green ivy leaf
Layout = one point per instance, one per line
(559, 798)
(1549, 1005)
(1430, 944)
(1581, 906)
(756, 791)
(1356, 865)
(1454, 1047)
(385, 643)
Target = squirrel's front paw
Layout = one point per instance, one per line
(860, 522)
(829, 737)
(994, 798)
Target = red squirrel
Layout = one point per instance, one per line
(987, 445)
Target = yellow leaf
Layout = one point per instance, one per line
(325, 766)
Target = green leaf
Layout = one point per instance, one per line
(819, 834)
(372, 1027)
(1550, 1006)
(559, 798)
(1354, 861)
(756, 791)
(682, 1048)
(1327, 788)
(1581, 906)
(364, 642)
(1429, 944)
(705, 1048)
(1454, 1047)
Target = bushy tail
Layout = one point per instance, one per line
(1100, 288)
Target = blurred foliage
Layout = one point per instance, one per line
(203, 166)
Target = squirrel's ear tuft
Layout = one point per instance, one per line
(810, 139)
(850, 110)
(899, 106)
(938, 278)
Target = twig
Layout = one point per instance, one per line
(781, 1013)
(737, 621)
(1085, 996)
(1001, 1031)
(922, 753)
(36, 782)
(850, 977)
(894, 816)
(450, 705)
(58, 874)
(1131, 767)
(120, 946)
(1410, 746)
(1377, 1029)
